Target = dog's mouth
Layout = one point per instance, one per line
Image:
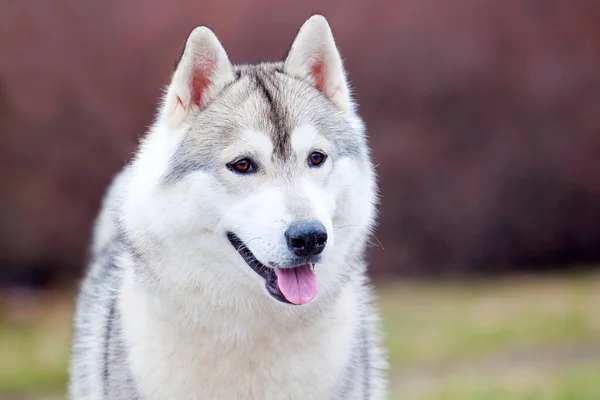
(293, 285)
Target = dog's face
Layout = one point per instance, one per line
(256, 177)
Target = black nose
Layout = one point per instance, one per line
(306, 238)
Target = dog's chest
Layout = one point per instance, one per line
(299, 364)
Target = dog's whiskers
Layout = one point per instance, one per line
(245, 244)
(345, 226)
(378, 244)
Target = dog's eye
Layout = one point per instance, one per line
(242, 166)
(316, 159)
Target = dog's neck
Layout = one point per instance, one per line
(232, 320)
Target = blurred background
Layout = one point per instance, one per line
(484, 119)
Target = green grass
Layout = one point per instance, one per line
(34, 347)
(432, 322)
(569, 383)
(518, 338)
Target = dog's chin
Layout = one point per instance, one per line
(294, 285)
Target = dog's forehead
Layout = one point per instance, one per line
(277, 104)
(263, 99)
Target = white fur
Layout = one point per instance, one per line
(203, 54)
(301, 361)
(315, 45)
(197, 321)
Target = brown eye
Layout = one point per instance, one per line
(242, 166)
(316, 159)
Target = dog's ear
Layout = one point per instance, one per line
(315, 57)
(203, 70)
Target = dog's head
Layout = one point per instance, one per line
(255, 177)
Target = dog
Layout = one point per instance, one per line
(228, 258)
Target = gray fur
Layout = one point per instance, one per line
(130, 254)
(286, 102)
(100, 345)
(99, 353)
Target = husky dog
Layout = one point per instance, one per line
(228, 258)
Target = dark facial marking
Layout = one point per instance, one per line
(189, 157)
(262, 85)
(184, 162)
(265, 82)
(267, 79)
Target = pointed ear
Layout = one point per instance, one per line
(314, 56)
(204, 69)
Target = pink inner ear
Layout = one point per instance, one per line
(203, 70)
(318, 72)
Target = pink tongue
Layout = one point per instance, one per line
(298, 285)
